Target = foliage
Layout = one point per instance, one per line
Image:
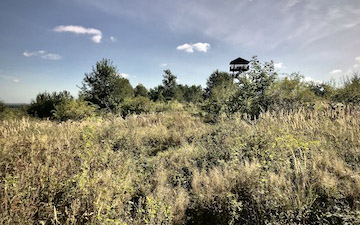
(350, 92)
(291, 93)
(156, 94)
(322, 90)
(171, 89)
(140, 90)
(74, 109)
(191, 93)
(171, 168)
(3, 107)
(44, 104)
(104, 87)
(252, 96)
(217, 79)
(219, 93)
(136, 105)
(245, 92)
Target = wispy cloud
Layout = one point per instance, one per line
(96, 34)
(14, 79)
(336, 71)
(163, 64)
(190, 48)
(42, 54)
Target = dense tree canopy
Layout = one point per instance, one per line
(140, 90)
(44, 104)
(250, 92)
(104, 87)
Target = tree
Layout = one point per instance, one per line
(156, 94)
(171, 88)
(252, 95)
(350, 92)
(140, 90)
(3, 107)
(191, 93)
(322, 90)
(104, 87)
(290, 93)
(218, 80)
(219, 92)
(74, 109)
(44, 104)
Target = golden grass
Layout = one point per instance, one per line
(171, 168)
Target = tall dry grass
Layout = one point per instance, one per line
(171, 168)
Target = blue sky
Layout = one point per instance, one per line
(48, 45)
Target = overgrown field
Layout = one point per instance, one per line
(172, 168)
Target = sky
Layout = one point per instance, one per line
(48, 45)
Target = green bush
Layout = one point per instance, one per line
(73, 109)
(290, 93)
(44, 104)
(3, 107)
(136, 105)
(350, 92)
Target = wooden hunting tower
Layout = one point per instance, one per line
(239, 65)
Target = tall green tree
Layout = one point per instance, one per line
(104, 87)
(156, 94)
(44, 104)
(252, 96)
(218, 80)
(219, 92)
(191, 93)
(171, 88)
(140, 90)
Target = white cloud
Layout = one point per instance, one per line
(336, 71)
(185, 47)
(310, 79)
(42, 54)
(124, 75)
(163, 64)
(278, 65)
(113, 39)
(200, 47)
(14, 79)
(96, 34)
(357, 58)
(356, 66)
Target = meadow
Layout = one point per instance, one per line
(299, 167)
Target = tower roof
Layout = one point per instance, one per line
(239, 61)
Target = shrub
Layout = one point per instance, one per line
(290, 93)
(73, 109)
(136, 105)
(171, 168)
(3, 107)
(44, 104)
(350, 92)
(140, 90)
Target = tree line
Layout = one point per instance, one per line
(257, 90)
